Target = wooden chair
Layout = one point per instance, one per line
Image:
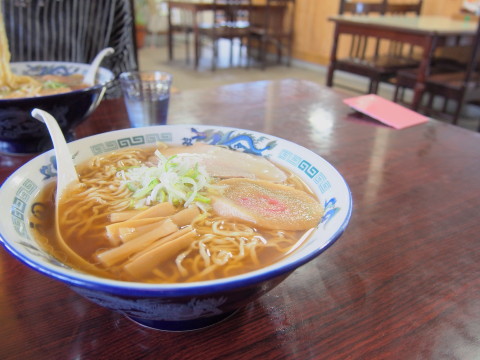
(230, 21)
(462, 87)
(272, 27)
(407, 78)
(372, 57)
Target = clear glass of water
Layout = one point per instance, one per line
(146, 95)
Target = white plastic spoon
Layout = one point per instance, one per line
(66, 175)
(89, 77)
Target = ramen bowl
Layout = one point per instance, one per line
(20, 133)
(181, 306)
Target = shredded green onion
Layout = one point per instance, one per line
(202, 199)
(178, 179)
(51, 84)
(141, 193)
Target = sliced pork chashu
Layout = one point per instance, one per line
(225, 163)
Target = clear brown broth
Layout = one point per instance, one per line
(42, 223)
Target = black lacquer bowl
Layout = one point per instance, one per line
(20, 133)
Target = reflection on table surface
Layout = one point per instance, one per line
(403, 279)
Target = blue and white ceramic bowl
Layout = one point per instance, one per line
(22, 134)
(175, 306)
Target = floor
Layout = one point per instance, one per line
(154, 56)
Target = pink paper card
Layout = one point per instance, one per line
(385, 111)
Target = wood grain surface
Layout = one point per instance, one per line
(403, 282)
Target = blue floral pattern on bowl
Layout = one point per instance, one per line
(246, 142)
(40, 68)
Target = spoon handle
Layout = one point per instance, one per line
(66, 172)
(89, 77)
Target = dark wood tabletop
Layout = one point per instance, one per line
(403, 282)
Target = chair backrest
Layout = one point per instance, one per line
(71, 30)
(277, 18)
(237, 12)
(231, 16)
(380, 6)
(362, 7)
(413, 8)
(359, 44)
(402, 9)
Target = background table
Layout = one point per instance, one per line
(197, 7)
(403, 282)
(426, 32)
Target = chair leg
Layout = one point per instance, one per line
(445, 105)
(402, 95)
(263, 55)
(289, 53)
(187, 46)
(231, 52)
(243, 50)
(430, 103)
(457, 112)
(373, 88)
(331, 69)
(395, 94)
(214, 54)
(249, 44)
(197, 53)
(279, 52)
(370, 86)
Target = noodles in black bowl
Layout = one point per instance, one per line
(20, 133)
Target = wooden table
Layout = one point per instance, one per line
(194, 7)
(403, 282)
(197, 6)
(426, 32)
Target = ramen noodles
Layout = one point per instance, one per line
(16, 86)
(178, 214)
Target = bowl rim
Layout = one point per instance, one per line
(84, 280)
(53, 96)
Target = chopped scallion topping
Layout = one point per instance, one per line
(51, 84)
(178, 179)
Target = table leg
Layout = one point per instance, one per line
(196, 39)
(333, 57)
(423, 72)
(170, 34)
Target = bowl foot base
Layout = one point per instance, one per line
(184, 325)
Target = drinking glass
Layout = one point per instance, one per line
(146, 95)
